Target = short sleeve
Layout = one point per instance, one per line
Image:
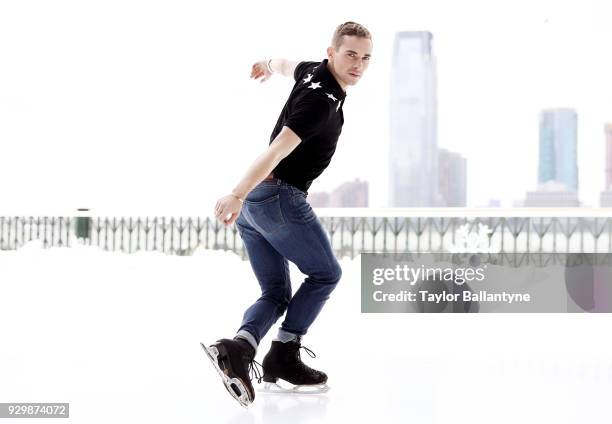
(308, 116)
(302, 69)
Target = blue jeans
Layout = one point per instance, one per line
(277, 224)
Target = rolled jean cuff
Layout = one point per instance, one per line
(248, 337)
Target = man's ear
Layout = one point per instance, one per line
(330, 52)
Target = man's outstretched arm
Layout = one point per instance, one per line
(262, 68)
(281, 146)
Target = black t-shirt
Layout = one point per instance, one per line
(314, 112)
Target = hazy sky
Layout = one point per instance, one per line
(146, 107)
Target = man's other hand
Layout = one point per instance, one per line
(227, 206)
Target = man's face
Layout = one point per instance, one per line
(352, 58)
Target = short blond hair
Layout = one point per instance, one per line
(349, 28)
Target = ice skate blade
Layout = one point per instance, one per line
(212, 353)
(302, 389)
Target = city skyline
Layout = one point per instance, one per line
(157, 114)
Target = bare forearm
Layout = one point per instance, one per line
(280, 65)
(260, 169)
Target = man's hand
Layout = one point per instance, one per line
(227, 205)
(260, 70)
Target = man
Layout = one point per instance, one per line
(277, 224)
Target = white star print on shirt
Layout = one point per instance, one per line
(331, 96)
(338, 107)
(308, 78)
(314, 85)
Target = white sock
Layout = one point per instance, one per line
(285, 336)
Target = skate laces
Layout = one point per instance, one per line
(308, 351)
(298, 341)
(254, 370)
(301, 365)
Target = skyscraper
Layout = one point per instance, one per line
(413, 152)
(608, 131)
(558, 159)
(605, 199)
(453, 178)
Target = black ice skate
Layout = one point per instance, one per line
(233, 360)
(283, 361)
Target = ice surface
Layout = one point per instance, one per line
(117, 336)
